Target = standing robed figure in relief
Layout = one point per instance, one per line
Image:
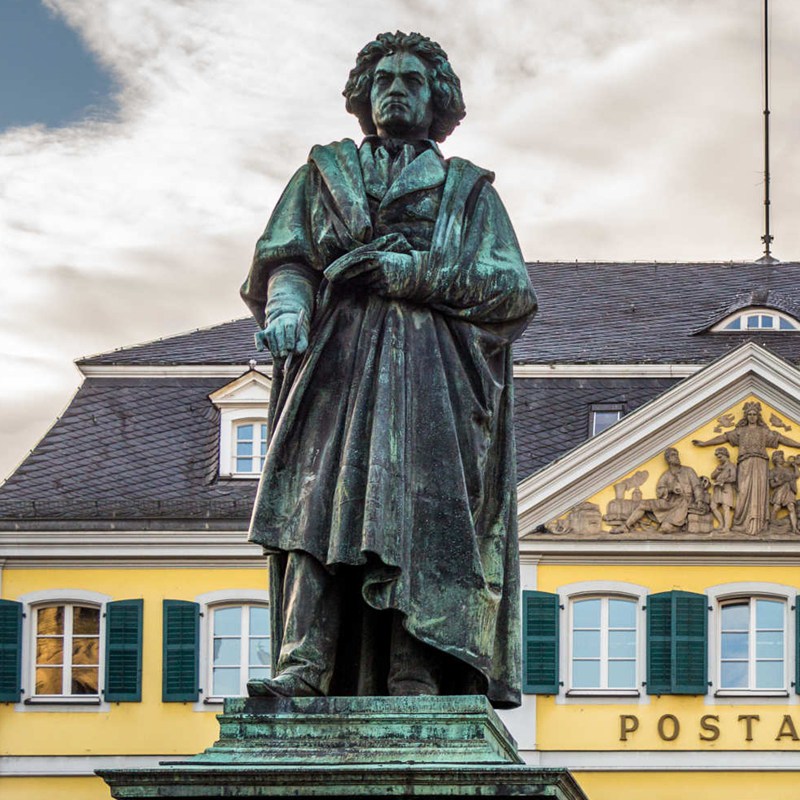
(391, 281)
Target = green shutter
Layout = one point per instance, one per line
(124, 651)
(181, 652)
(10, 651)
(677, 643)
(540, 646)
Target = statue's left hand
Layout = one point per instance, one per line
(286, 334)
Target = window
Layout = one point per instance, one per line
(758, 319)
(67, 650)
(240, 648)
(603, 643)
(752, 644)
(603, 416)
(250, 447)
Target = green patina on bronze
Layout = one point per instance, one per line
(393, 280)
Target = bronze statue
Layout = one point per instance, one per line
(391, 282)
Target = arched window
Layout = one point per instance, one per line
(757, 319)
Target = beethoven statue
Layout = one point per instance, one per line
(389, 285)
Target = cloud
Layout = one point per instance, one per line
(618, 130)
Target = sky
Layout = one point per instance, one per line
(143, 144)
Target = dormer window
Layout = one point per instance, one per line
(250, 447)
(757, 319)
(243, 405)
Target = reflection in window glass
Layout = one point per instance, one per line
(240, 648)
(752, 644)
(601, 420)
(67, 651)
(603, 643)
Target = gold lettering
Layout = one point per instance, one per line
(707, 725)
(748, 721)
(787, 729)
(676, 727)
(628, 723)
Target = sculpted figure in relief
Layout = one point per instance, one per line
(783, 485)
(723, 495)
(678, 492)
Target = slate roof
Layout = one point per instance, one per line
(130, 449)
(590, 313)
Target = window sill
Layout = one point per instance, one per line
(751, 693)
(78, 700)
(603, 693)
(241, 476)
(220, 699)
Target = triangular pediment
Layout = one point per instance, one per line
(252, 388)
(616, 485)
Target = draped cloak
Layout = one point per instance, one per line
(391, 453)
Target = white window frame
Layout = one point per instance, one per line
(751, 590)
(208, 603)
(585, 590)
(31, 603)
(230, 419)
(604, 408)
(256, 422)
(743, 315)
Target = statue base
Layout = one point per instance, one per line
(376, 747)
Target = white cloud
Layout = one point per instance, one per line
(618, 130)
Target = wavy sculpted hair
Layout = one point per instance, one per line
(448, 102)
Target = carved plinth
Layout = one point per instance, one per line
(376, 747)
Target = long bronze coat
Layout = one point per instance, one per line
(391, 444)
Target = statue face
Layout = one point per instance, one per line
(672, 457)
(401, 97)
(752, 416)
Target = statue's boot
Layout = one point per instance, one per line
(285, 685)
(414, 667)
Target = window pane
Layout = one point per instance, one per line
(244, 449)
(48, 680)
(50, 620)
(621, 674)
(226, 682)
(785, 325)
(49, 651)
(752, 321)
(769, 674)
(84, 651)
(766, 321)
(586, 614)
(734, 645)
(84, 680)
(601, 420)
(228, 621)
(259, 621)
(734, 325)
(244, 432)
(621, 614)
(736, 617)
(259, 652)
(263, 431)
(769, 614)
(586, 674)
(85, 620)
(244, 465)
(769, 644)
(227, 651)
(586, 644)
(259, 672)
(622, 644)
(734, 675)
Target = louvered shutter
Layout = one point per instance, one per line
(540, 645)
(10, 651)
(123, 672)
(181, 652)
(677, 643)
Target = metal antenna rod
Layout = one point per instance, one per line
(767, 237)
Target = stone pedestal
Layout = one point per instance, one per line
(376, 747)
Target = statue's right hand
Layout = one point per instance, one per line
(286, 334)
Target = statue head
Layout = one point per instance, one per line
(396, 54)
(778, 458)
(672, 457)
(751, 414)
(722, 453)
